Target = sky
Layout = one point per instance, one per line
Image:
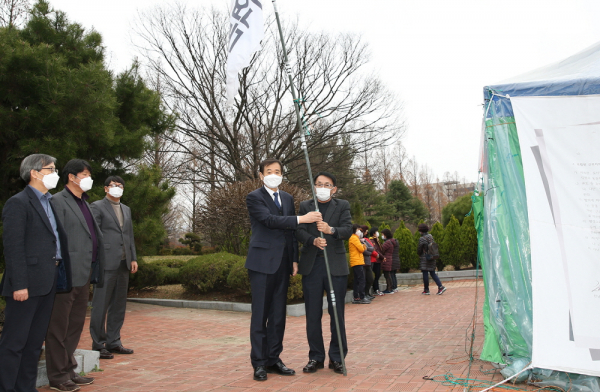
(436, 55)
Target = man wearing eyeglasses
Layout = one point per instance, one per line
(336, 227)
(110, 300)
(37, 266)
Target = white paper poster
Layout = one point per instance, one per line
(560, 147)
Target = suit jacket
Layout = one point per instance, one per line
(272, 231)
(338, 216)
(30, 246)
(115, 238)
(80, 238)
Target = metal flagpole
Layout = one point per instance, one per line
(312, 185)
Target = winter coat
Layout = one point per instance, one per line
(424, 242)
(377, 255)
(356, 251)
(367, 253)
(390, 251)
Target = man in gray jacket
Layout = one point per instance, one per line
(86, 252)
(337, 227)
(109, 303)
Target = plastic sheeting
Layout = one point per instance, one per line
(505, 243)
(503, 228)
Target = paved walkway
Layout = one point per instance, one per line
(394, 342)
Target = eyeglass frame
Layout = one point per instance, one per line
(328, 186)
(52, 169)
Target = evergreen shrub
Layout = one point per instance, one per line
(148, 275)
(207, 272)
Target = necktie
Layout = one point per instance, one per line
(276, 200)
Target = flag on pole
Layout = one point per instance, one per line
(245, 33)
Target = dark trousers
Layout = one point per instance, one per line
(359, 281)
(64, 332)
(25, 326)
(313, 286)
(394, 279)
(377, 271)
(108, 308)
(267, 323)
(436, 279)
(388, 280)
(368, 279)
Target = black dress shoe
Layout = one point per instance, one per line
(105, 354)
(121, 350)
(336, 366)
(312, 366)
(280, 369)
(260, 373)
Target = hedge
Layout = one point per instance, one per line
(148, 275)
(208, 272)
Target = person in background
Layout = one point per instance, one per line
(37, 266)
(390, 250)
(427, 266)
(395, 264)
(357, 247)
(376, 259)
(110, 301)
(367, 254)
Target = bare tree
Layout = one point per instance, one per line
(341, 102)
(13, 12)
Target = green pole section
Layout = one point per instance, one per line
(312, 185)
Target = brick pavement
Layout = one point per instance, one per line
(393, 343)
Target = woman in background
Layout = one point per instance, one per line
(356, 247)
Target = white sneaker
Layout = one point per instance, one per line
(395, 290)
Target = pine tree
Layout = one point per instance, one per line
(357, 213)
(451, 249)
(58, 98)
(407, 251)
(459, 208)
(468, 239)
(437, 232)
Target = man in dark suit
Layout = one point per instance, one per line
(109, 303)
(337, 227)
(86, 250)
(272, 258)
(37, 263)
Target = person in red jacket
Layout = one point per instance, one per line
(376, 259)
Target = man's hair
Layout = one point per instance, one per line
(423, 228)
(267, 162)
(34, 162)
(326, 174)
(387, 233)
(373, 230)
(74, 166)
(114, 179)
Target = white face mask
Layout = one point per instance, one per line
(359, 233)
(50, 180)
(272, 180)
(323, 194)
(85, 183)
(115, 191)
(376, 234)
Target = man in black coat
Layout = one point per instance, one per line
(337, 227)
(37, 263)
(272, 258)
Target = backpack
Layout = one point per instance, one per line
(433, 251)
